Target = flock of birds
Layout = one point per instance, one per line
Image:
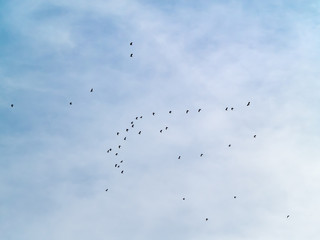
(117, 165)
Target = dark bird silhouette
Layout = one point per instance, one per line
(254, 136)
(136, 118)
(201, 154)
(132, 125)
(121, 161)
(70, 103)
(117, 133)
(125, 138)
(179, 157)
(288, 216)
(232, 109)
(116, 154)
(91, 90)
(11, 105)
(115, 165)
(132, 122)
(153, 113)
(229, 145)
(139, 132)
(248, 103)
(187, 111)
(234, 196)
(161, 131)
(199, 109)
(207, 219)
(127, 129)
(118, 166)
(166, 128)
(131, 55)
(108, 151)
(226, 108)
(140, 116)
(183, 199)
(170, 111)
(131, 43)
(119, 146)
(107, 190)
(122, 171)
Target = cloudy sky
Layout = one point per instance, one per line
(208, 54)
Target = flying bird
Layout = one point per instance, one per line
(201, 154)
(161, 131)
(115, 165)
(288, 216)
(248, 103)
(199, 109)
(179, 157)
(170, 111)
(107, 190)
(132, 125)
(131, 43)
(226, 108)
(140, 116)
(234, 196)
(70, 103)
(116, 154)
(127, 129)
(207, 219)
(91, 90)
(118, 166)
(139, 132)
(136, 118)
(183, 199)
(11, 105)
(229, 145)
(232, 109)
(153, 113)
(254, 136)
(131, 54)
(121, 161)
(110, 149)
(125, 138)
(122, 171)
(187, 111)
(166, 128)
(117, 133)
(119, 146)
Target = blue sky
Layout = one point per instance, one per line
(54, 165)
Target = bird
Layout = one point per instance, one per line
(119, 146)
(131, 122)
(179, 157)
(127, 129)
(248, 103)
(117, 133)
(254, 136)
(183, 199)
(166, 128)
(115, 165)
(139, 132)
(288, 216)
(229, 145)
(118, 166)
(199, 109)
(131, 43)
(234, 196)
(108, 151)
(153, 113)
(161, 131)
(70, 103)
(11, 105)
(232, 109)
(121, 161)
(207, 219)
(170, 111)
(122, 171)
(91, 90)
(132, 125)
(140, 116)
(125, 138)
(201, 154)
(116, 154)
(131, 54)
(226, 108)
(107, 190)
(136, 118)
(187, 111)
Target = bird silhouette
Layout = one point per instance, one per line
(119, 146)
(187, 111)
(107, 190)
(140, 116)
(234, 196)
(226, 108)
(139, 132)
(183, 199)
(132, 125)
(70, 103)
(122, 171)
(248, 103)
(201, 154)
(125, 138)
(179, 157)
(11, 105)
(91, 90)
(161, 131)
(199, 109)
(131, 55)
(115, 165)
(116, 154)
(207, 219)
(127, 129)
(118, 166)
(131, 43)
(232, 109)
(121, 161)
(170, 111)
(229, 145)
(136, 118)
(254, 136)
(288, 216)
(153, 113)
(117, 133)
(166, 128)
(108, 151)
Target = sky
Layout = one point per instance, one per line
(187, 55)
